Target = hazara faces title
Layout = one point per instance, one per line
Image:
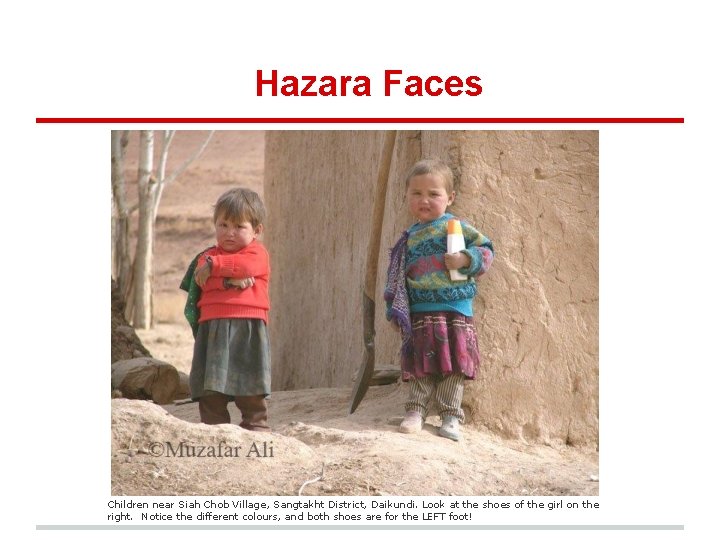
(395, 82)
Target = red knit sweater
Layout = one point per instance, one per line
(216, 302)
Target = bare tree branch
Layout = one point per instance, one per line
(168, 137)
(185, 165)
(162, 179)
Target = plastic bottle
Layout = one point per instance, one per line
(455, 243)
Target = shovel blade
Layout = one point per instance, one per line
(368, 363)
(362, 382)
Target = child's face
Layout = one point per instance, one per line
(232, 236)
(428, 197)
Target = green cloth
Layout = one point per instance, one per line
(231, 356)
(192, 311)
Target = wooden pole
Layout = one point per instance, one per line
(368, 364)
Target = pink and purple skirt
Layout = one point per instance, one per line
(442, 342)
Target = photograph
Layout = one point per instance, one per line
(355, 312)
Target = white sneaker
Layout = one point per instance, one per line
(412, 423)
(450, 428)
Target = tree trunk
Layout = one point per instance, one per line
(142, 305)
(121, 267)
(150, 188)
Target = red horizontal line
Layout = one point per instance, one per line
(360, 120)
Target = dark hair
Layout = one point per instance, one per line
(239, 205)
(432, 166)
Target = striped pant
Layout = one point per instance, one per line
(448, 390)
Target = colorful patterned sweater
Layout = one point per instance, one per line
(428, 282)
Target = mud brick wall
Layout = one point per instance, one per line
(534, 193)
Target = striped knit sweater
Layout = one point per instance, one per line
(428, 281)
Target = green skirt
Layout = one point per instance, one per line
(231, 356)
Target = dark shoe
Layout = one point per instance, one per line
(255, 427)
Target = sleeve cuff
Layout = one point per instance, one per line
(475, 262)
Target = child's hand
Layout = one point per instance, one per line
(202, 273)
(240, 283)
(455, 261)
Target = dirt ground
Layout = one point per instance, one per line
(313, 436)
(359, 454)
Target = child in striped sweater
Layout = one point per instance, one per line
(434, 313)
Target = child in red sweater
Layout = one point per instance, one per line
(231, 359)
